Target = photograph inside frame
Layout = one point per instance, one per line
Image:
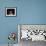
(32, 32)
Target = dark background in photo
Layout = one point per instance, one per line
(10, 11)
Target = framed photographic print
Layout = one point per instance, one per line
(33, 32)
(10, 11)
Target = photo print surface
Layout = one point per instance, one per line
(33, 32)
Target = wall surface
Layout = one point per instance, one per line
(28, 12)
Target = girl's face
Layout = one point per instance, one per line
(11, 12)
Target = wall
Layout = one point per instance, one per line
(28, 12)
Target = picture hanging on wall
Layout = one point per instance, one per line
(10, 11)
